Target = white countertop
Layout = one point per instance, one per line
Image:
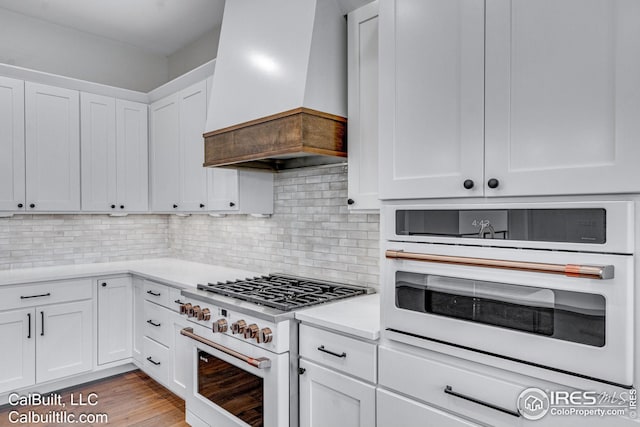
(174, 272)
(359, 316)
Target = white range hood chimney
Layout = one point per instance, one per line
(279, 88)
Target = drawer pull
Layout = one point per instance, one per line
(324, 350)
(178, 302)
(155, 294)
(449, 390)
(152, 323)
(153, 361)
(48, 294)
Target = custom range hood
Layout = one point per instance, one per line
(279, 93)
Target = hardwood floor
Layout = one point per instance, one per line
(130, 399)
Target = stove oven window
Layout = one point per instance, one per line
(564, 315)
(231, 388)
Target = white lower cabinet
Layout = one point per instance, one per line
(18, 334)
(115, 314)
(337, 379)
(328, 398)
(64, 340)
(180, 373)
(394, 410)
(138, 315)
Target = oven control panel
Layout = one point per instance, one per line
(240, 326)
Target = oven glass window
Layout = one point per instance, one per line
(569, 316)
(231, 388)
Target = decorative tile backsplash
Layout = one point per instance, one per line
(43, 240)
(311, 233)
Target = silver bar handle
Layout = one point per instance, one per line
(601, 272)
(260, 362)
(449, 390)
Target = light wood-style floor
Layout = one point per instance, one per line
(130, 399)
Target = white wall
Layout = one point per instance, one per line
(194, 54)
(39, 45)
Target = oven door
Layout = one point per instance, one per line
(237, 384)
(575, 325)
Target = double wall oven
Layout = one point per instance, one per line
(546, 284)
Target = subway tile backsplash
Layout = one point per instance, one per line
(310, 234)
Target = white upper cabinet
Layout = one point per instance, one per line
(193, 115)
(165, 153)
(431, 98)
(114, 154)
(12, 163)
(563, 96)
(363, 108)
(178, 179)
(538, 98)
(240, 191)
(52, 148)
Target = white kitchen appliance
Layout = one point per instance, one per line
(549, 285)
(244, 348)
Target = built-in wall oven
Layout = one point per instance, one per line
(549, 285)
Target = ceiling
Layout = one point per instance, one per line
(159, 26)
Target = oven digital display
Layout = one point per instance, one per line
(231, 388)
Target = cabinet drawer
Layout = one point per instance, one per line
(394, 410)
(427, 379)
(175, 299)
(156, 360)
(156, 292)
(357, 358)
(12, 297)
(156, 323)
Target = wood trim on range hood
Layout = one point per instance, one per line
(294, 138)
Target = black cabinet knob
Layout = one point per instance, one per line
(202, 205)
(113, 206)
(175, 206)
(468, 184)
(493, 183)
(232, 204)
(20, 205)
(350, 201)
(104, 285)
(121, 206)
(32, 205)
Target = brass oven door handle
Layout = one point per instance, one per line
(601, 272)
(324, 350)
(449, 390)
(260, 362)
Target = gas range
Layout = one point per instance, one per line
(246, 329)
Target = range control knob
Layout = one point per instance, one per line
(204, 314)
(220, 326)
(185, 308)
(194, 311)
(238, 327)
(265, 335)
(251, 331)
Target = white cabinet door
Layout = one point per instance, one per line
(138, 318)
(52, 118)
(363, 108)
(132, 156)
(64, 333)
(328, 399)
(165, 154)
(181, 372)
(115, 324)
(431, 98)
(223, 190)
(12, 172)
(193, 115)
(563, 96)
(17, 360)
(395, 410)
(98, 143)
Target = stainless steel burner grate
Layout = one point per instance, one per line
(282, 292)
